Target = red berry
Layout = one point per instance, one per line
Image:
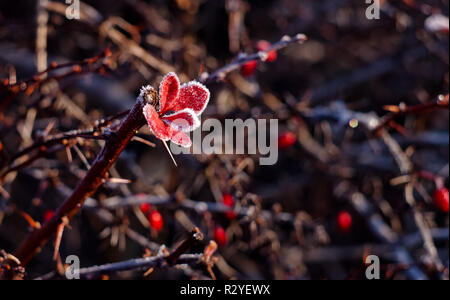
(144, 207)
(249, 68)
(228, 200)
(286, 140)
(441, 199)
(156, 220)
(48, 215)
(271, 55)
(220, 236)
(344, 222)
(231, 215)
(263, 45)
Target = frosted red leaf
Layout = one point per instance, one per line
(181, 139)
(178, 110)
(168, 89)
(184, 120)
(193, 95)
(157, 126)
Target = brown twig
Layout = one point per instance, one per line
(40, 154)
(93, 133)
(41, 35)
(441, 103)
(75, 66)
(195, 236)
(30, 85)
(49, 144)
(10, 267)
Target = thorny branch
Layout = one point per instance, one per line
(47, 144)
(89, 184)
(139, 263)
(176, 257)
(194, 237)
(221, 73)
(441, 103)
(46, 75)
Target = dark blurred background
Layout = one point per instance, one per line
(349, 70)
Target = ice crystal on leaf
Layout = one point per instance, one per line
(177, 111)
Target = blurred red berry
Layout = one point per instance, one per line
(344, 222)
(144, 207)
(156, 220)
(249, 68)
(271, 55)
(231, 215)
(220, 236)
(441, 199)
(228, 200)
(263, 45)
(286, 140)
(48, 215)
